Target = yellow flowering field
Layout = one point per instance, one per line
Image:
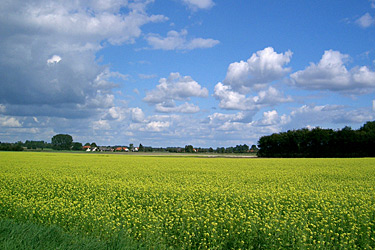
(193, 202)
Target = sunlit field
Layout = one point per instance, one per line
(158, 202)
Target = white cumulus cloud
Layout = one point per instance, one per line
(54, 59)
(366, 20)
(173, 108)
(175, 88)
(157, 126)
(332, 74)
(325, 115)
(11, 122)
(179, 41)
(262, 68)
(101, 125)
(230, 99)
(137, 115)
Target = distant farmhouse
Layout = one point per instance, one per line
(88, 148)
(121, 149)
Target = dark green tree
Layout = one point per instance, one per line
(77, 146)
(229, 150)
(220, 150)
(189, 149)
(141, 148)
(62, 142)
(253, 148)
(320, 142)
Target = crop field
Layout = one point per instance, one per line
(157, 202)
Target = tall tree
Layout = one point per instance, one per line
(62, 142)
(189, 149)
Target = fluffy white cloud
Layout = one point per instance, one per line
(150, 126)
(157, 126)
(54, 59)
(327, 116)
(272, 118)
(171, 107)
(231, 126)
(238, 117)
(6, 121)
(175, 88)
(366, 20)
(260, 69)
(331, 74)
(137, 115)
(101, 125)
(230, 99)
(114, 113)
(271, 97)
(103, 80)
(179, 41)
(199, 4)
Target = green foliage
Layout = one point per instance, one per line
(254, 148)
(189, 149)
(77, 146)
(36, 144)
(220, 150)
(320, 143)
(62, 142)
(10, 147)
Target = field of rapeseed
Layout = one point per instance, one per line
(194, 203)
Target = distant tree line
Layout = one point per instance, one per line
(320, 142)
(5, 146)
(237, 149)
(65, 142)
(221, 150)
(36, 144)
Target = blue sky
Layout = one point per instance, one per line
(178, 72)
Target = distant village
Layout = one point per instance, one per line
(88, 148)
(65, 142)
